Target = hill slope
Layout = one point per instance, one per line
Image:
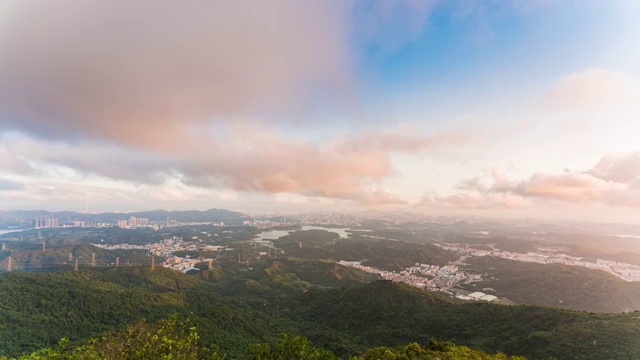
(394, 314)
(37, 309)
(557, 285)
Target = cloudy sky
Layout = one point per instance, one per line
(500, 108)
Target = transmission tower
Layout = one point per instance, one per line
(75, 268)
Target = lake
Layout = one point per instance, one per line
(2, 232)
(276, 234)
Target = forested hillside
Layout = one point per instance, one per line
(174, 339)
(234, 308)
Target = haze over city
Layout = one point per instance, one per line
(490, 108)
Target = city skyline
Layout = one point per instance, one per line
(498, 109)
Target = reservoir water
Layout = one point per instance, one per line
(276, 234)
(2, 232)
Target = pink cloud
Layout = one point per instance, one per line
(621, 168)
(246, 158)
(140, 73)
(144, 74)
(613, 181)
(569, 186)
(336, 169)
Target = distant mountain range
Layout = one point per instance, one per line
(20, 218)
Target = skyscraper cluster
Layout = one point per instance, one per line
(45, 223)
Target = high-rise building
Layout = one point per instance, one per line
(45, 223)
(52, 223)
(122, 223)
(133, 221)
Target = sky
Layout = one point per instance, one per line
(494, 108)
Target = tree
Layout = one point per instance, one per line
(290, 348)
(170, 340)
